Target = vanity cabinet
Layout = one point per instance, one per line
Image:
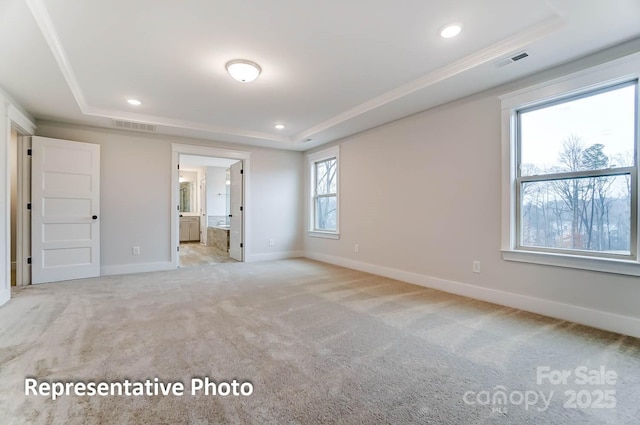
(189, 229)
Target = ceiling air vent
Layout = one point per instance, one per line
(512, 59)
(136, 126)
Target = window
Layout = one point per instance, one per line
(576, 173)
(571, 183)
(324, 193)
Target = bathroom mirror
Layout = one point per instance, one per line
(187, 197)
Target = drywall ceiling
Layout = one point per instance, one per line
(329, 69)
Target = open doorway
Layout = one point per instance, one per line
(19, 161)
(210, 191)
(239, 227)
(18, 128)
(13, 184)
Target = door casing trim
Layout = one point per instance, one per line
(178, 149)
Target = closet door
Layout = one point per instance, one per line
(65, 210)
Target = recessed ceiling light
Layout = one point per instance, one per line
(134, 102)
(243, 70)
(451, 31)
(279, 126)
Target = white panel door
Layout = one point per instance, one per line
(235, 212)
(65, 210)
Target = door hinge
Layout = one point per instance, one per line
(240, 208)
(178, 166)
(178, 249)
(29, 260)
(241, 171)
(178, 207)
(29, 206)
(241, 245)
(29, 152)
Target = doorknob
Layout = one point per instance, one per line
(95, 217)
(230, 215)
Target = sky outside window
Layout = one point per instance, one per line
(606, 118)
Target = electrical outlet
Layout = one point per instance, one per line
(356, 248)
(136, 250)
(271, 242)
(476, 266)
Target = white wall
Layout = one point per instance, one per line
(277, 193)
(189, 175)
(422, 199)
(216, 191)
(135, 196)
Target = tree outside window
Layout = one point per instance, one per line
(577, 173)
(326, 197)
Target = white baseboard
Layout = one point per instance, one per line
(595, 318)
(168, 265)
(136, 268)
(272, 256)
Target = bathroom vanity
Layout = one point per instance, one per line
(189, 228)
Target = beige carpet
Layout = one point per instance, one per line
(321, 344)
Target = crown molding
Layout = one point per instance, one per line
(498, 50)
(43, 20)
(176, 123)
(491, 53)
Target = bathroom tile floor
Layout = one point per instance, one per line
(197, 254)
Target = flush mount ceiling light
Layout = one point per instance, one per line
(451, 31)
(279, 126)
(243, 70)
(134, 102)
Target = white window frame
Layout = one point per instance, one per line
(578, 84)
(313, 159)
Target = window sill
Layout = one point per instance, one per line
(326, 235)
(605, 265)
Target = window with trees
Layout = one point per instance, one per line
(324, 189)
(577, 174)
(570, 168)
